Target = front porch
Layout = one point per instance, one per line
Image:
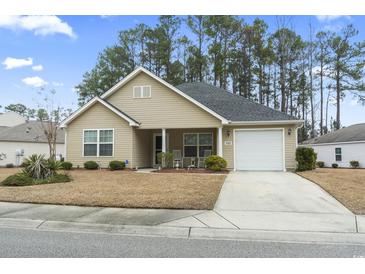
(193, 144)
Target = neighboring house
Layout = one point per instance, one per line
(21, 141)
(10, 119)
(341, 146)
(143, 115)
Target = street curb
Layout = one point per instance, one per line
(188, 232)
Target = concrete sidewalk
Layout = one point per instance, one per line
(214, 219)
(188, 233)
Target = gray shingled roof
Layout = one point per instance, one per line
(31, 131)
(231, 106)
(352, 133)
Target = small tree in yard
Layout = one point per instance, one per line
(50, 115)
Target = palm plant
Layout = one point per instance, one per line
(36, 166)
(52, 166)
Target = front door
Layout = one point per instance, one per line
(157, 146)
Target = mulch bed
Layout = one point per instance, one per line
(191, 170)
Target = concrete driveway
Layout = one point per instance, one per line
(280, 201)
(275, 192)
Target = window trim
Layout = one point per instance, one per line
(338, 154)
(198, 144)
(97, 142)
(142, 97)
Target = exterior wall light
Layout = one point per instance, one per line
(289, 131)
(228, 133)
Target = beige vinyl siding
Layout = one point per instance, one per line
(290, 144)
(165, 108)
(99, 117)
(142, 148)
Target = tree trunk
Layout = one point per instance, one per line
(282, 86)
(338, 99)
(321, 91)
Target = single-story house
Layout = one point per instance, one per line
(143, 115)
(341, 146)
(23, 140)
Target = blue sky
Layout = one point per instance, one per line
(62, 48)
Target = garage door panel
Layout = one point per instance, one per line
(259, 150)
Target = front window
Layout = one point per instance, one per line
(98, 142)
(338, 154)
(195, 144)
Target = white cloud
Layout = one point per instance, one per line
(329, 18)
(57, 84)
(37, 68)
(39, 25)
(35, 81)
(12, 63)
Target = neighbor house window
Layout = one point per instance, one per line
(338, 154)
(142, 92)
(196, 143)
(98, 142)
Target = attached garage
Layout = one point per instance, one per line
(259, 149)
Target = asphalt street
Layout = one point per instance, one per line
(35, 243)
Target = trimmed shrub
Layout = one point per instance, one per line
(334, 165)
(91, 165)
(354, 164)
(306, 158)
(116, 165)
(19, 179)
(320, 164)
(10, 165)
(215, 163)
(66, 165)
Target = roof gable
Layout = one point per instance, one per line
(139, 70)
(112, 108)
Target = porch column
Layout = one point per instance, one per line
(164, 140)
(219, 142)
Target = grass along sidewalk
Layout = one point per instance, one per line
(121, 189)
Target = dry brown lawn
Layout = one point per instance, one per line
(121, 189)
(346, 185)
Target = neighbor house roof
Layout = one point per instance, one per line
(354, 133)
(233, 107)
(31, 131)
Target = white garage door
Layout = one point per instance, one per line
(259, 149)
